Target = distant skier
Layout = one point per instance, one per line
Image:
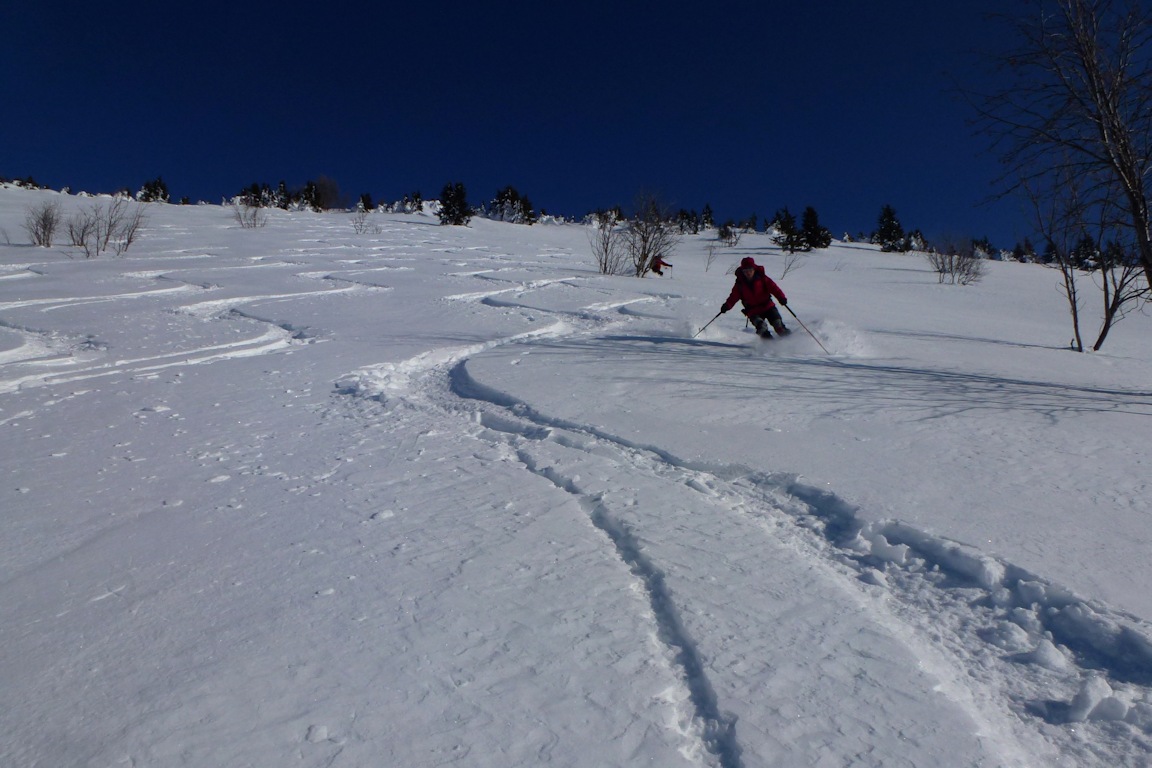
(755, 289)
(658, 265)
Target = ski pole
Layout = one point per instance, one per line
(806, 328)
(706, 325)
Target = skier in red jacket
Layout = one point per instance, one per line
(756, 290)
(657, 265)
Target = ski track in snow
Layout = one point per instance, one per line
(1068, 660)
(50, 304)
(717, 730)
(62, 361)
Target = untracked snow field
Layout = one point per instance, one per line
(425, 495)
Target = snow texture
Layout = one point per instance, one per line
(429, 495)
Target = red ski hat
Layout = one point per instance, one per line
(747, 261)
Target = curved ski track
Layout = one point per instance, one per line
(945, 601)
(53, 359)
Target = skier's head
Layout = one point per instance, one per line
(748, 267)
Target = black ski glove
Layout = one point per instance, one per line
(784, 302)
(723, 310)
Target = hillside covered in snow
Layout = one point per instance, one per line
(424, 495)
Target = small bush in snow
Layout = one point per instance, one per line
(362, 223)
(249, 216)
(103, 227)
(41, 222)
(957, 264)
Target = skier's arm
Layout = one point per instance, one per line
(776, 291)
(732, 298)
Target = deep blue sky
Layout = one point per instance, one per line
(748, 106)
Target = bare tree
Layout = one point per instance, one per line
(1121, 285)
(1075, 99)
(328, 194)
(249, 216)
(956, 261)
(102, 227)
(1059, 215)
(651, 233)
(41, 222)
(1088, 234)
(125, 219)
(360, 220)
(81, 233)
(793, 260)
(605, 241)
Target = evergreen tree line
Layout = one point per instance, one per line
(320, 195)
(510, 205)
(809, 235)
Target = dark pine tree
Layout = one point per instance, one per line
(787, 235)
(454, 208)
(889, 234)
(707, 219)
(309, 197)
(509, 205)
(813, 233)
(155, 191)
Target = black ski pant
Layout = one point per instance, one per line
(770, 317)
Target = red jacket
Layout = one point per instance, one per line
(756, 293)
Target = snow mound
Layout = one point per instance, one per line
(1040, 624)
(839, 338)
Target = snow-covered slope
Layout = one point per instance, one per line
(430, 495)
